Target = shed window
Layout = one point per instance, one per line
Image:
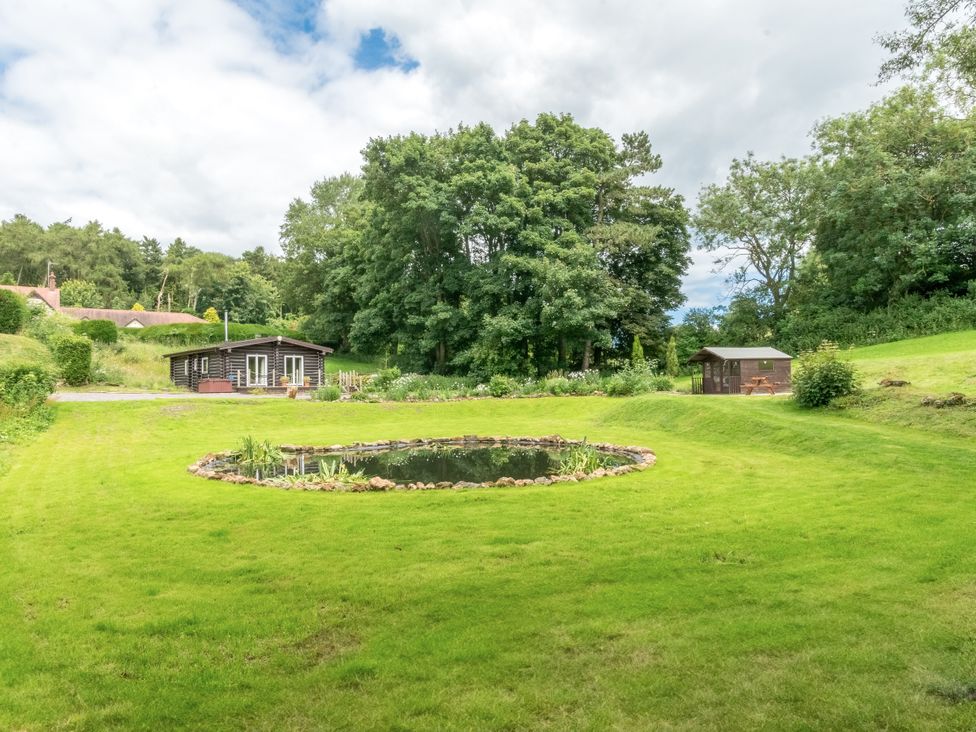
(204, 364)
(766, 364)
(186, 366)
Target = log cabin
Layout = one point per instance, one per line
(272, 363)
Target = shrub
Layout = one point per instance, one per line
(47, 328)
(13, 312)
(330, 393)
(191, 334)
(557, 386)
(80, 294)
(25, 384)
(637, 352)
(821, 377)
(211, 315)
(386, 377)
(671, 365)
(73, 354)
(101, 331)
(501, 386)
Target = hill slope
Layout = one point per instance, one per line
(939, 363)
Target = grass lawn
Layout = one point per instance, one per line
(935, 364)
(775, 569)
(21, 349)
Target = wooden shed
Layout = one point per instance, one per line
(741, 370)
(258, 363)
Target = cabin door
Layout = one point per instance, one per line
(257, 370)
(295, 369)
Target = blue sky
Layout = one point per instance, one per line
(206, 119)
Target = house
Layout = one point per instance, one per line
(735, 370)
(49, 299)
(243, 365)
(131, 318)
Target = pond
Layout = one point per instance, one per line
(442, 462)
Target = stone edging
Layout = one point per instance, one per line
(643, 458)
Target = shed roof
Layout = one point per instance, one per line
(231, 345)
(738, 354)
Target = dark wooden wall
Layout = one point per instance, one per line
(233, 364)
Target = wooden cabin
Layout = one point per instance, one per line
(741, 371)
(258, 363)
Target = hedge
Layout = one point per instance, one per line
(73, 354)
(102, 331)
(25, 384)
(191, 334)
(13, 312)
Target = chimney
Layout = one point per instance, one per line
(52, 281)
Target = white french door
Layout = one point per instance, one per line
(295, 369)
(257, 370)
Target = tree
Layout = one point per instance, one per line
(138, 307)
(671, 365)
(80, 294)
(211, 315)
(637, 353)
(248, 297)
(899, 195)
(939, 47)
(761, 221)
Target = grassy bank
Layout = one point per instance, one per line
(776, 568)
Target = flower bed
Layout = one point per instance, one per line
(641, 457)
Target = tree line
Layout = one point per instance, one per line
(872, 233)
(101, 268)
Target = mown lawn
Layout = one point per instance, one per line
(776, 569)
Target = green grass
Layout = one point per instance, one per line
(351, 362)
(131, 365)
(776, 569)
(937, 364)
(15, 348)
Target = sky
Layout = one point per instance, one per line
(205, 118)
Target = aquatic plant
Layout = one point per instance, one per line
(582, 458)
(252, 452)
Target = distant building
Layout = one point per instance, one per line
(49, 298)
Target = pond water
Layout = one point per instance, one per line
(427, 464)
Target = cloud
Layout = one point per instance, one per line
(205, 119)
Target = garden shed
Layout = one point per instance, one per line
(741, 370)
(272, 363)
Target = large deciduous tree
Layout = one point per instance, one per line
(759, 222)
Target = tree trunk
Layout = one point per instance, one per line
(159, 297)
(562, 352)
(587, 354)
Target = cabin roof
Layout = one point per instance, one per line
(231, 345)
(738, 354)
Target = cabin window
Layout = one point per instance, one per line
(295, 369)
(186, 366)
(766, 364)
(257, 370)
(204, 364)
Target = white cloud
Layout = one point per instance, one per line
(171, 118)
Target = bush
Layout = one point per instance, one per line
(330, 393)
(100, 331)
(48, 327)
(386, 377)
(192, 334)
(13, 312)
(821, 377)
(501, 386)
(73, 354)
(25, 385)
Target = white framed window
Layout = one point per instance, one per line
(186, 366)
(295, 369)
(204, 364)
(257, 369)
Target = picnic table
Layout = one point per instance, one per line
(758, 382)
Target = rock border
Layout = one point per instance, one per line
(643, 458)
